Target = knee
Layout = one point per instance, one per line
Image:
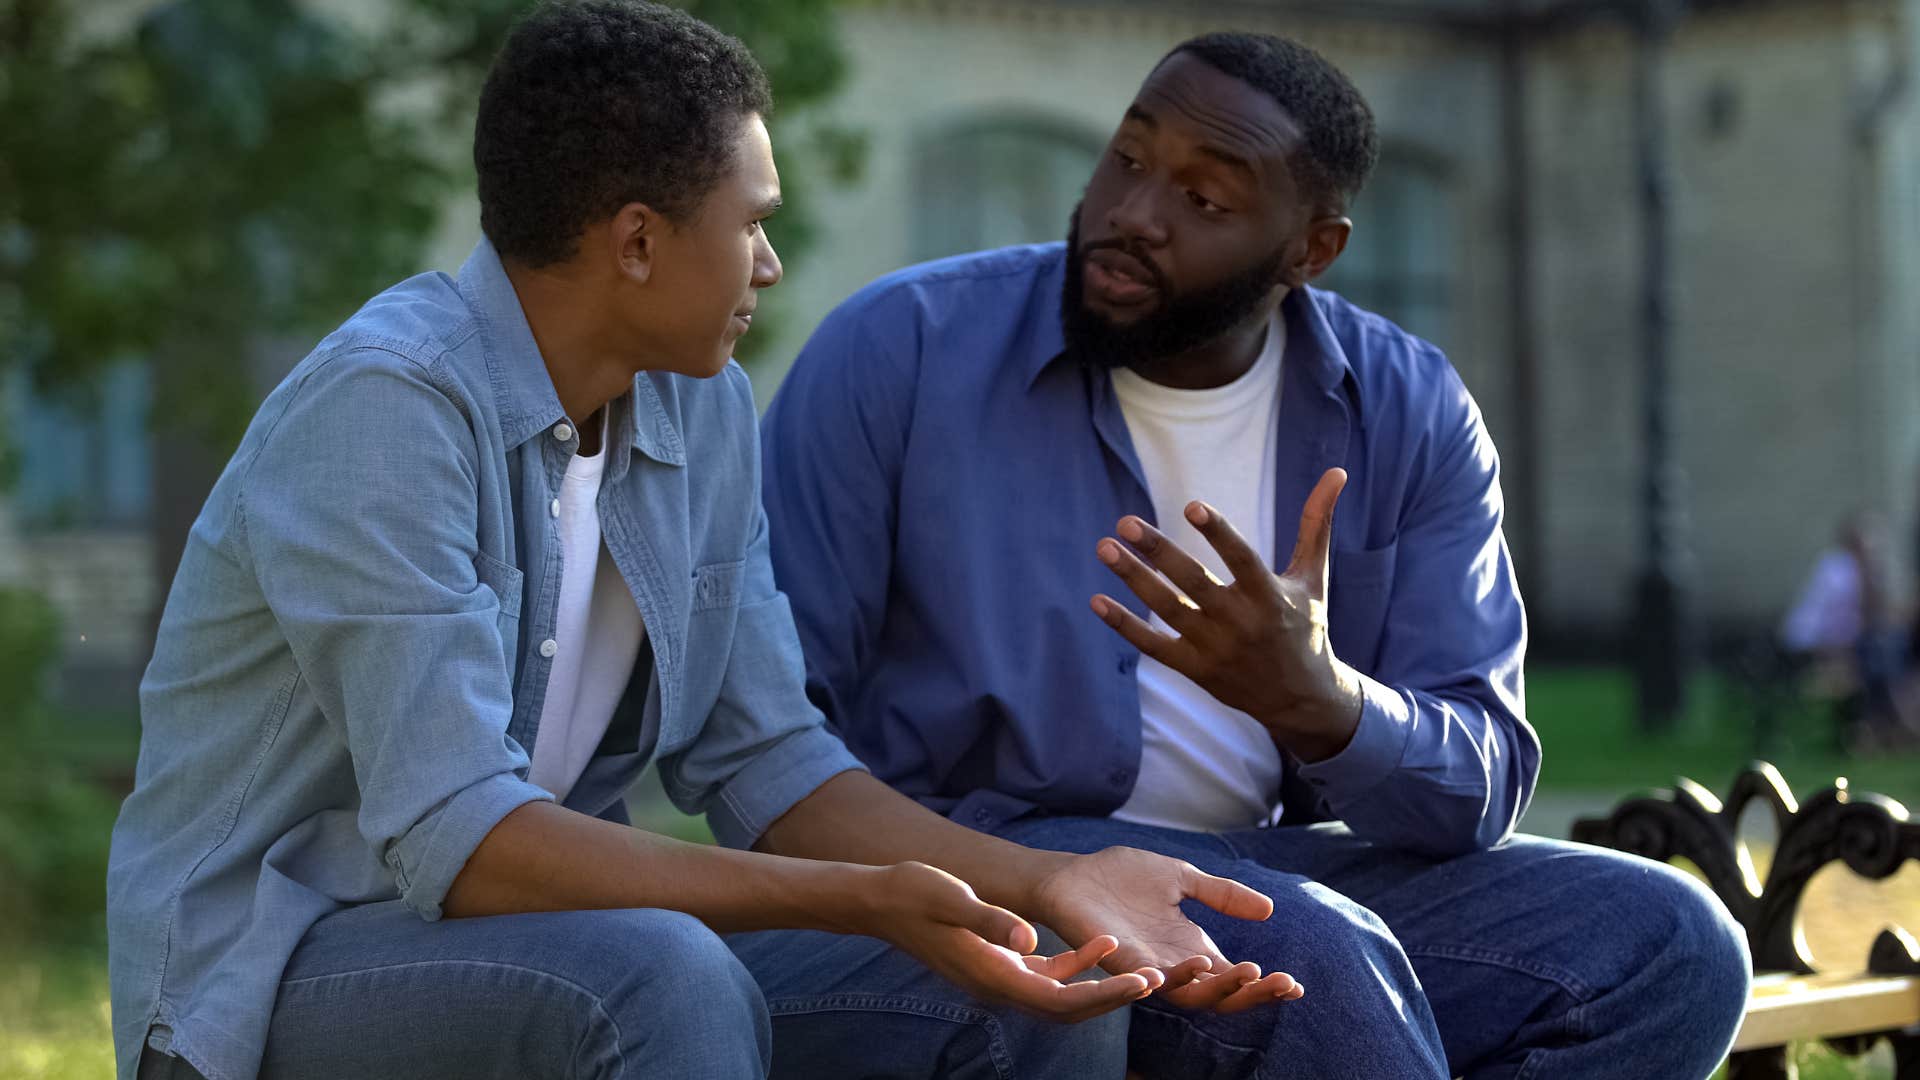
(682, 983)
(1664, 921)
(1705, 949)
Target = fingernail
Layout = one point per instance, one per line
(1130, 529)
(1197, 514)
(1109, 552)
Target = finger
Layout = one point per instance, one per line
(1207, 992)
(1242, 561)
(1316, 530)
(1177, 610)
(993, 924)
(1181, 568)
(1074, 1001)
(1184, 972)
(1162, 647)
(1225, 895)
(1275, 987)
(1066, 965)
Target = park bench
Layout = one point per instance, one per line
(1870, 834)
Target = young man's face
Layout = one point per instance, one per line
(709, 269)
(1190, 221)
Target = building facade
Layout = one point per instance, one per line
(1504, 223)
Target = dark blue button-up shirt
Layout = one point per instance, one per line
(938, 473)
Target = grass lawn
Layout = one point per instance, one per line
(54, 1022)
(1585, 717)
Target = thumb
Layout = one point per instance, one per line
(1310, 550)
(1226, 896)
(995, 925)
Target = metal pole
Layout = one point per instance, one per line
(1662, 630)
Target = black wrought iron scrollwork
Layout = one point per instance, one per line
(1872, 835)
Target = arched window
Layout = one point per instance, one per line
(1399, 262)
(996, 180)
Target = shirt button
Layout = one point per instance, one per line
(554, 508)
(549, 647)
(1119, 777)
(983, 817)
(563, 432)
(1126, 665)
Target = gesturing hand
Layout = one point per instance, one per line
(1135, 895)
(983, 949)
(1258, 644)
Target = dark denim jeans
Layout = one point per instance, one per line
(374, 991)
(1535, 959)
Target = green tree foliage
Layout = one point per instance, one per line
(223, 172)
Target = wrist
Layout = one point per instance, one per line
(1030, 893)
(1318, 729)
(845, 898)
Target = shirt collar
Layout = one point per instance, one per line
(524, 391)
(1311, 342)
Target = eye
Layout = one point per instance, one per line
(1204, 204)
(1127, 161)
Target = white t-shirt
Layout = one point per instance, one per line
(597, 630)
(1204, 766)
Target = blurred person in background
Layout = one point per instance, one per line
(1846, 637)
(489, 549)
(1156, 419)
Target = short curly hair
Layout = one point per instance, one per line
(594, 104)
(1340, 141)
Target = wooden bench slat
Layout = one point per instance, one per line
(1784, 1008)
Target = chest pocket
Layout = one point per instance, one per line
(717, 585)
(1359, 585)
(508, 584)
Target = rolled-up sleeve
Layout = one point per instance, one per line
(360, 515)
(765, 746)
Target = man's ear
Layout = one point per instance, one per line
(633, 237)
(1326, 239)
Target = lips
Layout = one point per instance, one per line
(1118, 278)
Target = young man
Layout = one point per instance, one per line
(489, 549)
(968, 453)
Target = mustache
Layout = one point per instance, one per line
(1133, 249)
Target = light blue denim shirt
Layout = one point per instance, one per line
(353, 658)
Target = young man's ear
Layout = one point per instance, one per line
(633, 234)
(1326, 239)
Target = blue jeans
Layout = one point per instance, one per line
(1536, 959)
(375, 991)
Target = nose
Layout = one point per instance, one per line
(1137, 215)
(767, 270)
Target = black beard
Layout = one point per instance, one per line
(1182, 323)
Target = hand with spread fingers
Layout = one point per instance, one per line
(1258, 644)
(1136, 895)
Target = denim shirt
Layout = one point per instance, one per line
(939, 473)
(352, 662)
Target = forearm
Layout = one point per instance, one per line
(542, 857)
(858, 819)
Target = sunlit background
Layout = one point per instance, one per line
(1672, 248)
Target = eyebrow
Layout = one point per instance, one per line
(1231, 160)
(1225, 157)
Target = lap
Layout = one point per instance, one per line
(1520, 934)
(374, 990)
(845, 1006)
